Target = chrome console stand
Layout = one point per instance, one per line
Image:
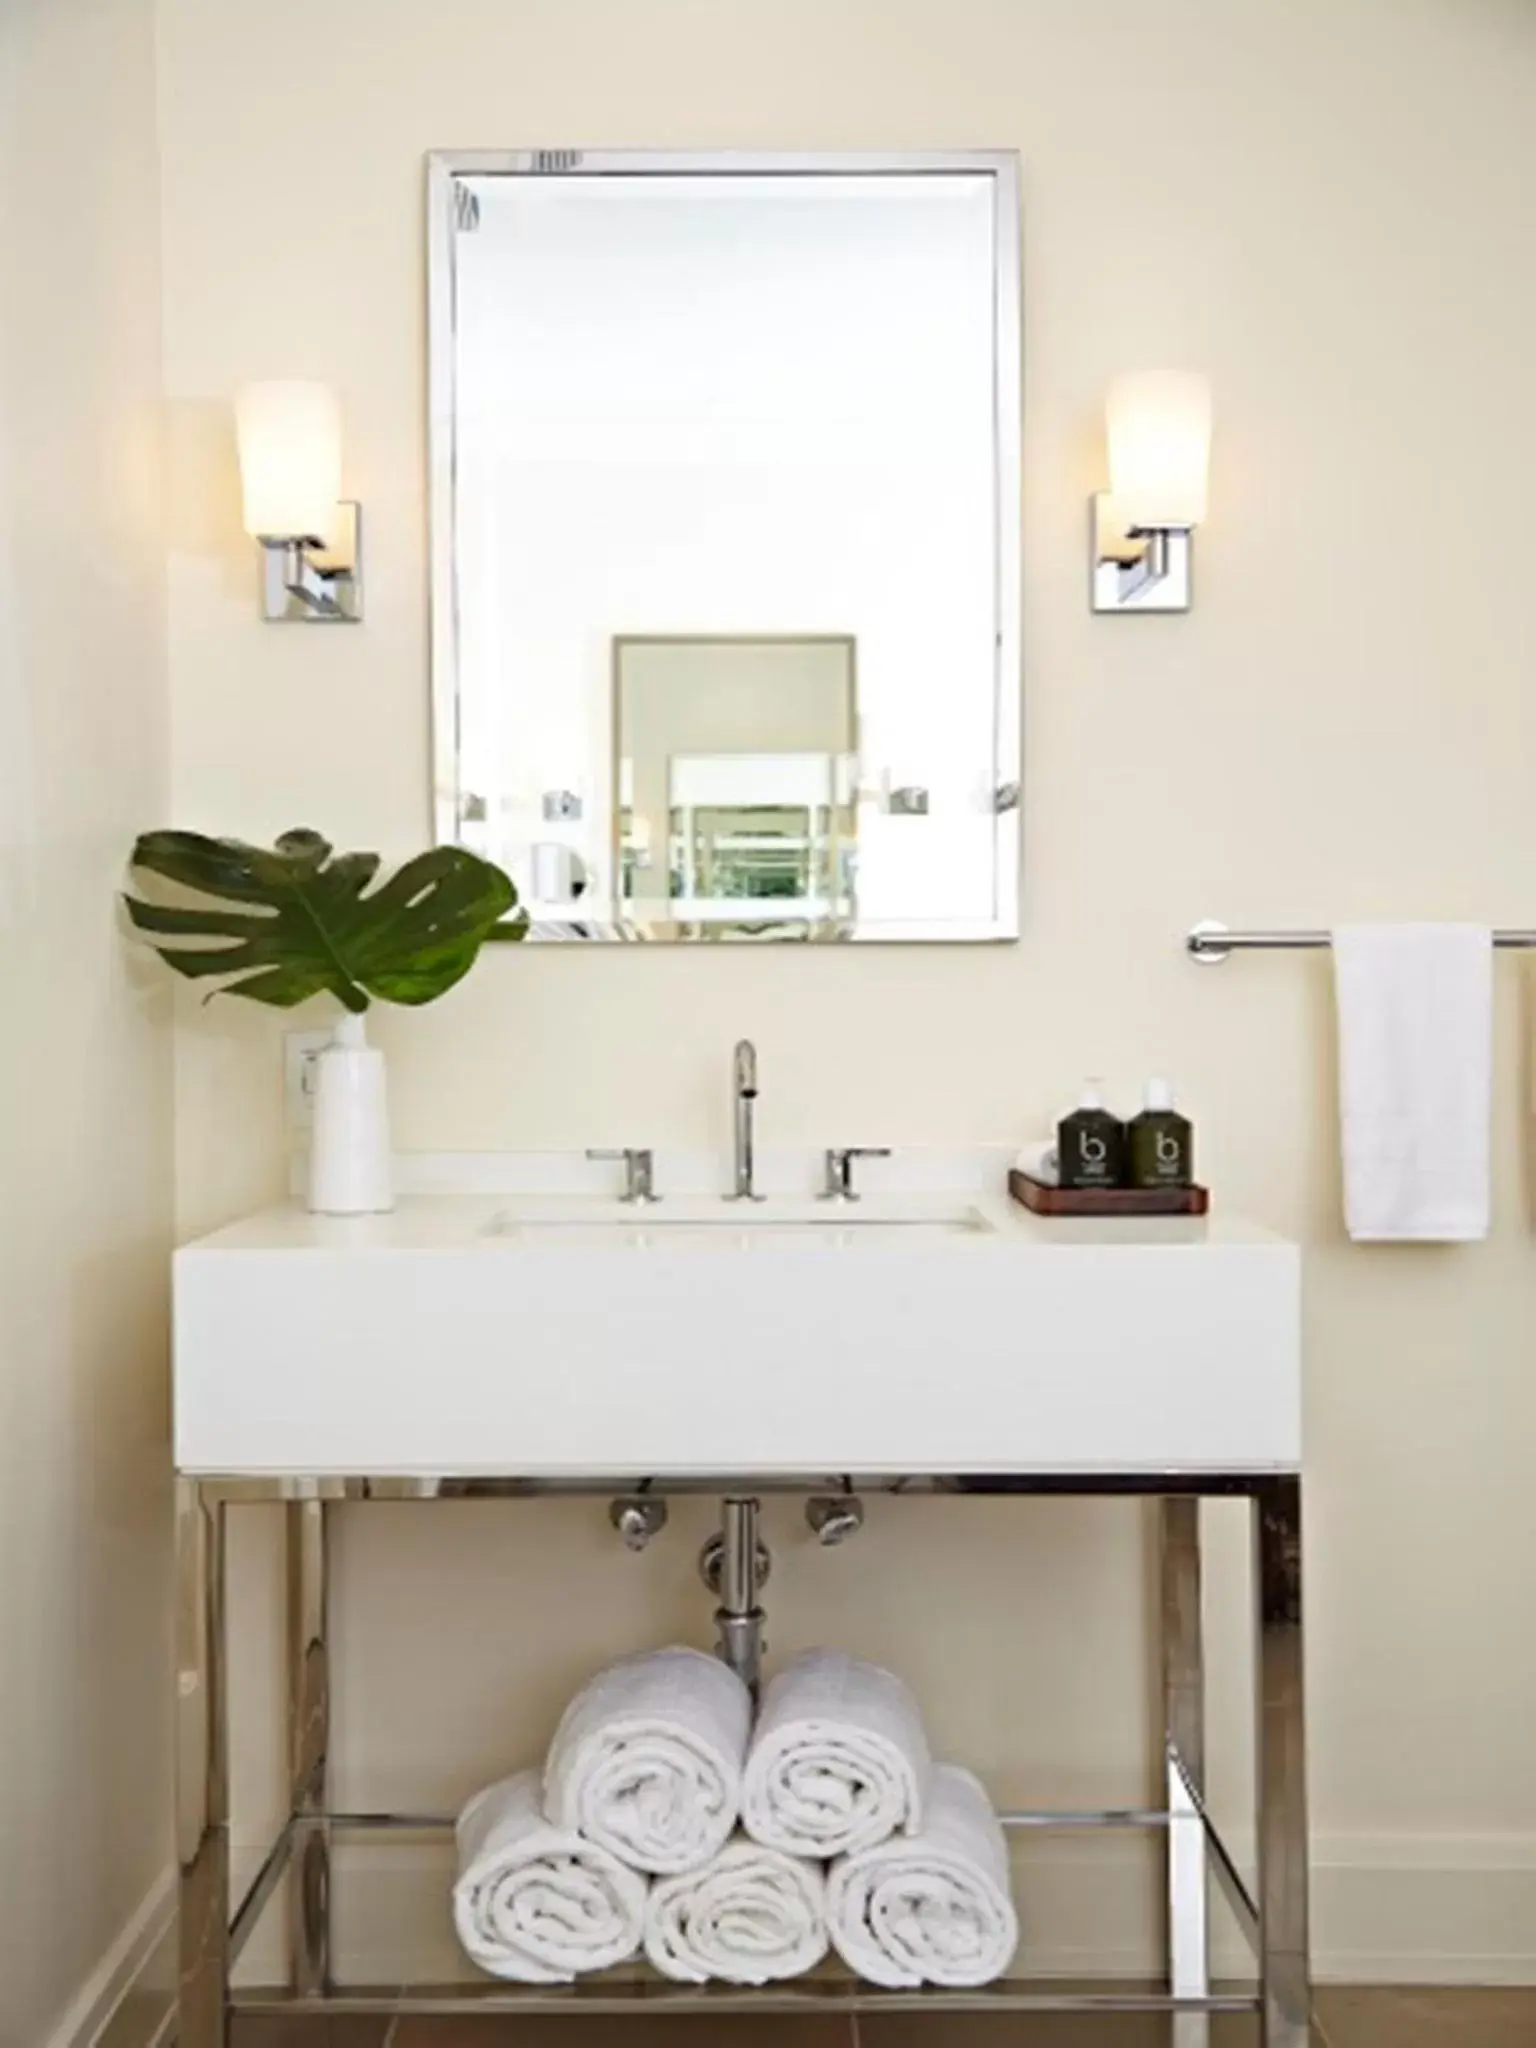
(309, 1734)
(1184, 1746)
(211, 1937)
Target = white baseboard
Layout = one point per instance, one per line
(1424, 1909)
(91, 2009)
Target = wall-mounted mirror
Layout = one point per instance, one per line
(725, 540)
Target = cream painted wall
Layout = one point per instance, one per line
(85, 1056)
(1329, 206)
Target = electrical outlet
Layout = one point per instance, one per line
(300, 1049)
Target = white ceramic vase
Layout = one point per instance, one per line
(350, 1164)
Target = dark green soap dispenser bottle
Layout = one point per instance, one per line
(1162, 1143)
(1090, 1144)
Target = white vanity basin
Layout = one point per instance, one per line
(667, 1222)
(538, 1337)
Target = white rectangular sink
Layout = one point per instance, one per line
(664, 1222)
(552, 1338)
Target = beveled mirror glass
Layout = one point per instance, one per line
(725, 547)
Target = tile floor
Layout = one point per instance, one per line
(1347, 2019)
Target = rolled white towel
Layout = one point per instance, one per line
(750, 1916)
(647, 1759)
(839, 1760)
(535, 1903)
(932, 1908)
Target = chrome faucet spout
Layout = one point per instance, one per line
(744, 1068)
(743, 1120)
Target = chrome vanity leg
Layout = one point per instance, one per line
(1183, 1663)
(1282, 1766)
(202, 1771)
(309, 1712)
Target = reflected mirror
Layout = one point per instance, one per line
(725, 541)
(735, 765)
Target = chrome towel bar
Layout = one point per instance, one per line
(1210, 942)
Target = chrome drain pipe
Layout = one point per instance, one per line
(734, 1565)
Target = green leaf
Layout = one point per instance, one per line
(306, 925)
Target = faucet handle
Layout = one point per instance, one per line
(838, 1184)
(639, 1170)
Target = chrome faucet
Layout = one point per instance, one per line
(743, 1111)
(639, 1164)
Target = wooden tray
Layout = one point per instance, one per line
(1043, 1200)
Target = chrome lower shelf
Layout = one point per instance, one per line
(614, 1993)
(635, 1987)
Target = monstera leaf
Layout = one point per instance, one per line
(303, 924)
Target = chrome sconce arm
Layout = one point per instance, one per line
(1138, 568)
(308, 580)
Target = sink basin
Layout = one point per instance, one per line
(550, 1336)
(668, 1221)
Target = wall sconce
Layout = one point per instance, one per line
(1158, 425)
(289, 434)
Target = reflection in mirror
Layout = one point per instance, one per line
(735, 769)
(725, 541)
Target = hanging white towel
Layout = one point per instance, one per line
(1415, 1079)
(648, 1756)
(534, 1903)
(750, 1916)
(931, 1908)
(839, 1760)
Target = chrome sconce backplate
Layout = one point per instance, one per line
(310, 582)
(1135, 569)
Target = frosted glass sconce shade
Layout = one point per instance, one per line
(1159, 427)
(289, 435)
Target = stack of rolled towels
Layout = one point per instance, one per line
(664, 1821)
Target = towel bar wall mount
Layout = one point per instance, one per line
(1210, 942)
